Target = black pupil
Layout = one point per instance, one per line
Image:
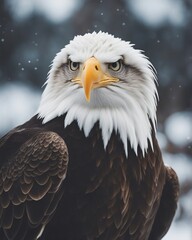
(114, 65)
(75, 64)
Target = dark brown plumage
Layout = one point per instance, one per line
(30, 178)
(105, 196)
(88, 165)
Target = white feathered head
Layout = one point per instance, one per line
(100, 78)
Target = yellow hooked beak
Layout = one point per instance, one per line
(91, 76)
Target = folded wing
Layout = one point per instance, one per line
(30, 185)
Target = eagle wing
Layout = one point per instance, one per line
(167, 207)
(30, 182)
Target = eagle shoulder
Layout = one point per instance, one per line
(30, 183)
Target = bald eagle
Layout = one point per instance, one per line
(88, 166)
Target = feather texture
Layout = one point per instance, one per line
(30, 181)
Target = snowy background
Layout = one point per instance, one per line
(33, 31)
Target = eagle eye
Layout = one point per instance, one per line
(115, 66)
(73, 65)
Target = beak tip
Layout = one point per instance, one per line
(87, 98)
(87, 92)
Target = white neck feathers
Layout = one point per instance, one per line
(126, 108)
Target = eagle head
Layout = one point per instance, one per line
(100, 78)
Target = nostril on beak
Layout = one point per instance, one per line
(96, 67)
